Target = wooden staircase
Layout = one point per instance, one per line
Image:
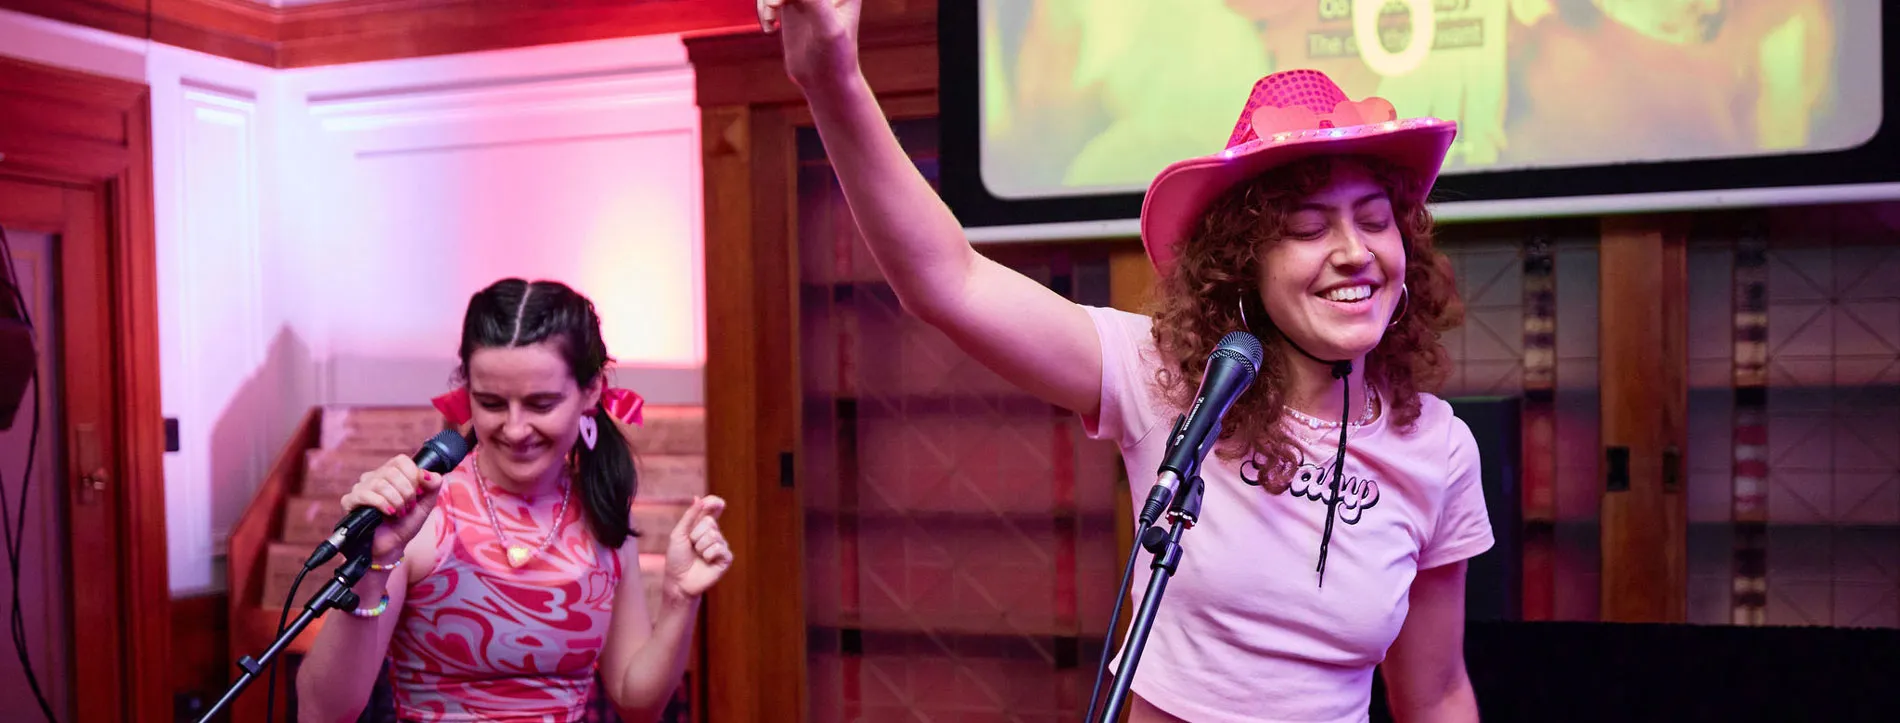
(297, 505)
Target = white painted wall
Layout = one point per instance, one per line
(319, 231)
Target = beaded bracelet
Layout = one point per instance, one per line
(375, 611)
(385, 568)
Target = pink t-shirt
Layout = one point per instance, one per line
(1245, 632)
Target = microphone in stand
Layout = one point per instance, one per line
(1231, 368)
(441, 455)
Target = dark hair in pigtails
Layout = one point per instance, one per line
(515, 312)
(609, 480)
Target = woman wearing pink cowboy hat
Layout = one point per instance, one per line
(1310, 565)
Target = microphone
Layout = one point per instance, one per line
(441, 454)
(1230, 370)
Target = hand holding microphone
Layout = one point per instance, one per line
(391, 502)
(404, 494)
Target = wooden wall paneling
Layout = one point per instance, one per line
(201, 637)
(1131, 278)
(755, 620)
(755, 624)
(1644, 371)
(95, 193)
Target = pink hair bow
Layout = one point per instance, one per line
(622, 404)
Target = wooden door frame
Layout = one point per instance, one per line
(77, 163)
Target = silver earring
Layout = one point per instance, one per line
(1241, 303)
(1405, 304)
(590, 431)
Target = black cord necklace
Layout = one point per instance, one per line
(1341, 370)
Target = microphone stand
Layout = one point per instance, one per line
(335, 594)
(1183, 512)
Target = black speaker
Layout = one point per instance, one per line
(16, 366)
(17, 359)
(1495, 579)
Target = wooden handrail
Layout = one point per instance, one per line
(259, 525)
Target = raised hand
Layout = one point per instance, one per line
(820, 36)
(696, 554)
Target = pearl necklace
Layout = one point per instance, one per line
(1317, 423)
(519, 555)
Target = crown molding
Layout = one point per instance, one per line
(350, 31)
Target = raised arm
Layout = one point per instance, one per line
(646, 651)
(1024, 332)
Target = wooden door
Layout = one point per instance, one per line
(75, 163)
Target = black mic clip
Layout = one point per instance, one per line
(1187, 504)
(351, 538)
(1162, 495)
(1185, 510)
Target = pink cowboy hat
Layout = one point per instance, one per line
(1290, 115)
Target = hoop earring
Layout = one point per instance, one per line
(1240, 302)
(1405, 304)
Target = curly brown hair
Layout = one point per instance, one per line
(1195, 305)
